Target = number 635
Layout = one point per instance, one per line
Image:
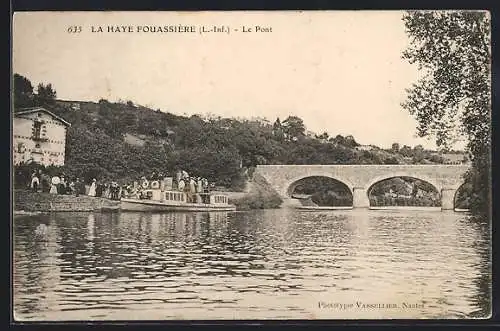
(75, 29)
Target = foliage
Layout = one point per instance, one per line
(391, 160)
(452, 50)
(219, 149)
(293, 127)
(405, 193)
(23, 92)
(263, 196)
(46, 95)
(257, 201)
(324, 191)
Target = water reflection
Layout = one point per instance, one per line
(262, 264)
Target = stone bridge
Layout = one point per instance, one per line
(360, 178)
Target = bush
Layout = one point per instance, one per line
(257, 201)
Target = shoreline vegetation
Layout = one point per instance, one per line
(122, 141)
(259, 195)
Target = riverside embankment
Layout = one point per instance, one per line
(28, 201)
(257, 195)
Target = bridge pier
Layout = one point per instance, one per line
(448, 199)
(360, 198)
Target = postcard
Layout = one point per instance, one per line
(251, 165)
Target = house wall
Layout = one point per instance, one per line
(48, 151)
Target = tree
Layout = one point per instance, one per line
(23, 92)
(350, 141)
(46, 95)
(339, 139)
(323, 136)
(418, 154)
(395, 147)
(452, 50)
(294, 127)
(391, 160)
(278, 130)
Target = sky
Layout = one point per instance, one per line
(341, 72)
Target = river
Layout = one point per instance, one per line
(272, 264)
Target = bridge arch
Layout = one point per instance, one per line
(294, 182)
(436, 184)
(408, 198)
(459, 191)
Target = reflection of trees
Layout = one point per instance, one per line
(404, 191)
(74, 236)
(26, 266)
(35, 272)
(130, 244)
(483, 297)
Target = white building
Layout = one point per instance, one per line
(39, 136)
(364, 148)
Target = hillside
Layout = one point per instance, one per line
(123, 141)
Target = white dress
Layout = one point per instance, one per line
(55, 181)
(92, 190)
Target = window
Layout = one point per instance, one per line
(36, 130)
(37, 146)
(20, 148)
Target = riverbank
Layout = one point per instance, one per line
(258, 195)
(27, 202)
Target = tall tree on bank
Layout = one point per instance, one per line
(453, 97)
(46, 95)
(293, 127)
(23, 92)
(24, 95)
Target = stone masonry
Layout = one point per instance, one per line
(360, 178)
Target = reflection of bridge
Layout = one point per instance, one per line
(360, 178)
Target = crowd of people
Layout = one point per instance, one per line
(181, 182)
(59, 184)
(110, 189)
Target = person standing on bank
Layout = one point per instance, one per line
(55, 182)
(178, 177)
(192, 189)
(34, 182)
(205, 185)
(45, 182)
(199, 185)
(77, 186)
(181, 185)
(61, 188)
(92, 189)
(98, 190)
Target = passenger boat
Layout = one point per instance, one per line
(169, 200)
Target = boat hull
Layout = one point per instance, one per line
(151, 205)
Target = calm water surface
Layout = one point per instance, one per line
(279, 264)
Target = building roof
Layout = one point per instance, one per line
(23, 111)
